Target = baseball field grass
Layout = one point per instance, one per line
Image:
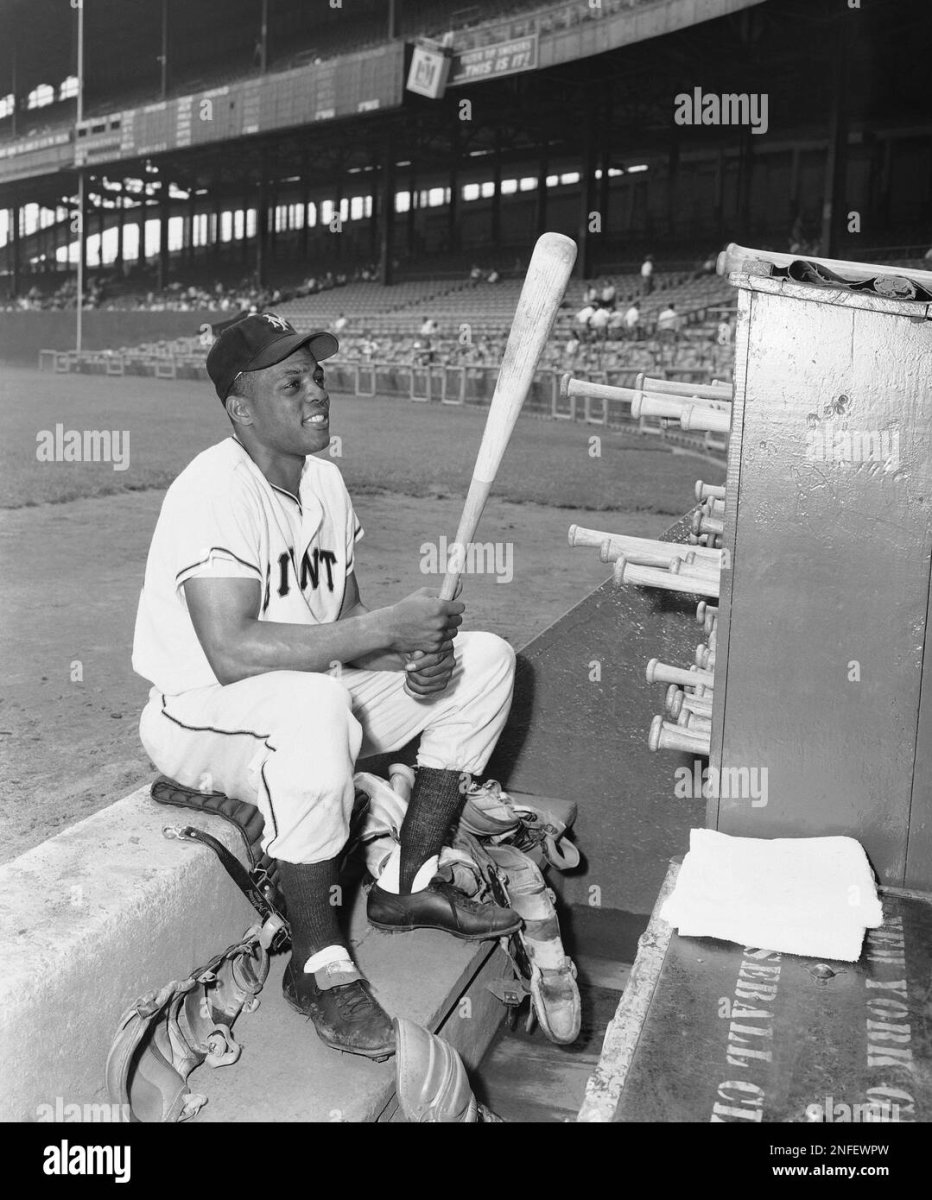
(155, 428)
(74, 537)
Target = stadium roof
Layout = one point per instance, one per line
(123, 38)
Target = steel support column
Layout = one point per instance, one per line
(387, 211)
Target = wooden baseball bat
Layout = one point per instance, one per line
(645, 404)
(658, 672)
(571, 388)
(694, 723)
(671, 581)
(642, 558)
(694, 565)
(706, 491)
(704, 524)
(676, 700)
(699, 705)
(698, 391)
(547, 276)
(703, 418)
(733, 258)
(622, 543)
(664, 736)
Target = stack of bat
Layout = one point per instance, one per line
(694, 569)
(709, 518)
(692, 406)
(648, 563)
(688, 724)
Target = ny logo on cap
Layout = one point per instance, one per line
(278, 322)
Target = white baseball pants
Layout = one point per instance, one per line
(287, 741)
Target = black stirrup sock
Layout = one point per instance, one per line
(436, 802)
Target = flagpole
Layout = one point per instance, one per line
(80, 117)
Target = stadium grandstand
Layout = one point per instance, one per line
(180, 164)
(246, 151)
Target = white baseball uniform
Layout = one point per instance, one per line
(288, 741)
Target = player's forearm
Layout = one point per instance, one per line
(263, 646)
(377, 660)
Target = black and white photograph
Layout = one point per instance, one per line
(466, 546)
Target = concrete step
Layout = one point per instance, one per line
(286, 1073)
(110, 909)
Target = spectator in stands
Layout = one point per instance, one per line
(616, 324)
(632, 320)
(429, 327)
(493, 276)
(572, 348)
(647, 275)
(668, 323)
(724, 333)
(584, 316)
(475, 274)
(608, 294)
(598, 322)
(340, 324)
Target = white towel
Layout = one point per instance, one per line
(809, 896)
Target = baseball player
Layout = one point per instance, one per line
(270, 676)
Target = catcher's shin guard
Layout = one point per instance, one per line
(382, 821)
(430, 1080)
(553, 988)
(164, 1036)
(537, 828)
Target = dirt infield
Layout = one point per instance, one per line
(74, 536)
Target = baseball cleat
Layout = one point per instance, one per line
(345, 1015)
(440, 906)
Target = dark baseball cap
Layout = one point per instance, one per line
(257, 341)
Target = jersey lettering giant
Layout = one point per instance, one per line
(222, 518)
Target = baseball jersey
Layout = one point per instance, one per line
(223, 519)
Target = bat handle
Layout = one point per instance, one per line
(448, 587)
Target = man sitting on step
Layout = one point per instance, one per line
(270, 677)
